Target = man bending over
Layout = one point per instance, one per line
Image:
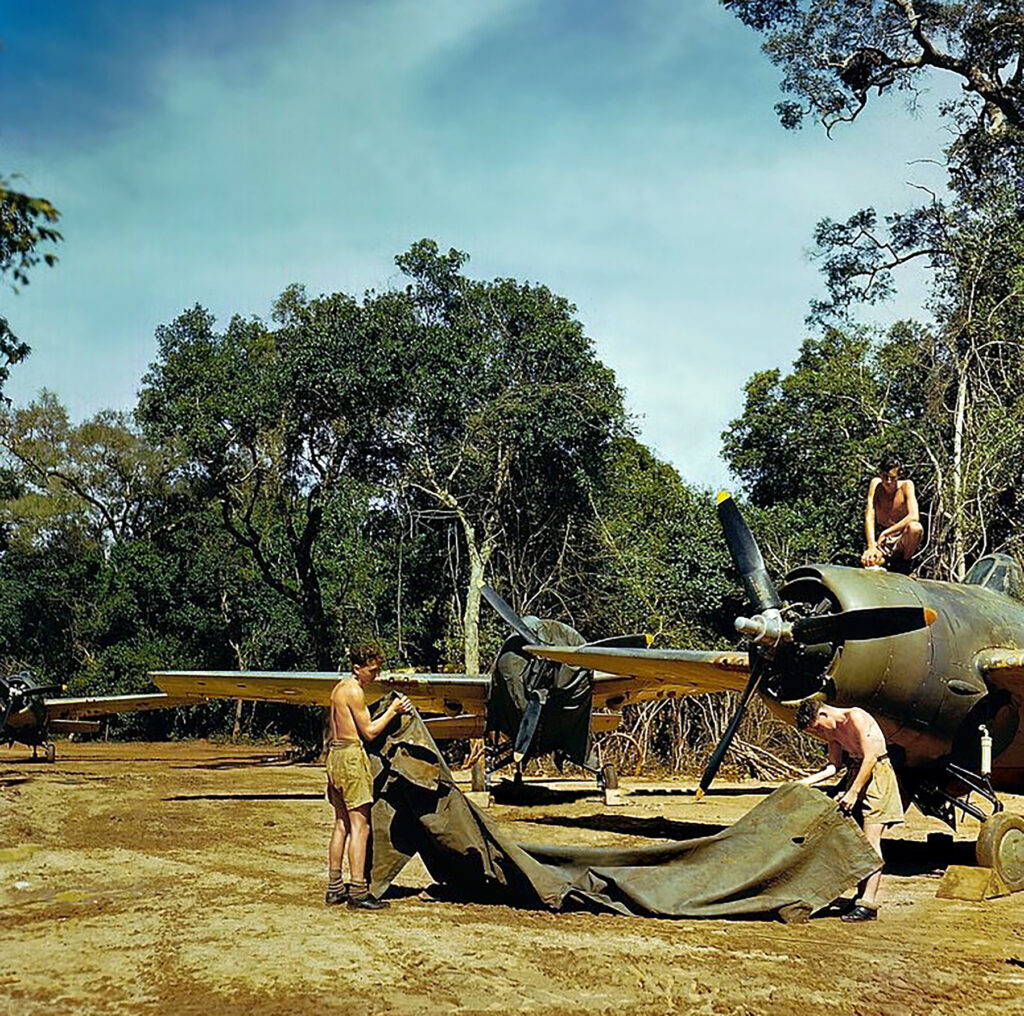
(870, 791)
(349, 783)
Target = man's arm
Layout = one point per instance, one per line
(872, 555)
(834, 757)
(913, 513)
(369, 728)
(869, 744)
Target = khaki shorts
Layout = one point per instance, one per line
(880, 802)
(348, 774)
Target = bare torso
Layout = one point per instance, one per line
(346, 694)
(890, 508)
(857, 732)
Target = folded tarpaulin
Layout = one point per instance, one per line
(790, 855)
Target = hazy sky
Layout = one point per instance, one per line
(626, 154)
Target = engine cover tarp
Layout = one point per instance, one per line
(569, 691)
(790, 855)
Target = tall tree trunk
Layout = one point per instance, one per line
(957, 478)
(471, 614)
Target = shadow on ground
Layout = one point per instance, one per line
(633, 825)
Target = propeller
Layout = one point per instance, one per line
(747, 557)
(769, 628)
(538, 699)
(711, 769)
(510, 617)
(16, 690)
(528, 725)
(864, 623)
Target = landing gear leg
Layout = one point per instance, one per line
(608, 780)
(50, 751)
(478, 771)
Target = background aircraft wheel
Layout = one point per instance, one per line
(609, 777)
(51, 751)
(1000, 846)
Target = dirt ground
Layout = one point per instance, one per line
(189, 878)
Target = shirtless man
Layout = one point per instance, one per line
(870, 791)
(892, 505)
(349, 782)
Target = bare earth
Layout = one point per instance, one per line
(189, 878)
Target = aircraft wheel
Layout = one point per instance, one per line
(1000, 846)
(51, 751)
(609, 777)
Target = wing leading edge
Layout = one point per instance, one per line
(450, 694)
(109, 705)
(638, 675)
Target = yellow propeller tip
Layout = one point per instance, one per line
(650, 639)
(698, 795)
(929, 615)
(723, 495)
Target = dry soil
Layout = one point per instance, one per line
(188, 878)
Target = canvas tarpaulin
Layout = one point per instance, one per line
(790, 855)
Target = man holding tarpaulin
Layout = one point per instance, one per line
(869, 791)
(349, 782)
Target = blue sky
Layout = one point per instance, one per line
(625, 154)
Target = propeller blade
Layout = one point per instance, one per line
(743, 547)
(44, 690)
(865, 623)
(510, 617)
(528, 725)
(730, 732)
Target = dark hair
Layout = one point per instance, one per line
(889, 462)
(361, 655)
(807, 713)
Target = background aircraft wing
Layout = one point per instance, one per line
(1003, 668)
(452, 694)
(637, 675)
(107, 705)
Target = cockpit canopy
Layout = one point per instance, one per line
(999, 572)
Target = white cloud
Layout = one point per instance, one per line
(675, 220)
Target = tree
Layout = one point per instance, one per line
(508, 422)
(101, 472)
(27, 232)
(835, 53)
(283, 430)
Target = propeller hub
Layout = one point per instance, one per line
(767, 628)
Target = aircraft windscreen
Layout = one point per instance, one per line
(999, 572)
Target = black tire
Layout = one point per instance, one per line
(1000, 847)
(51, 751)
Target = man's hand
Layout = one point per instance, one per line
(401, 705)
(848, 802)
(872, 557)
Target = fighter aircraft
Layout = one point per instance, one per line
(940, 665)
(29, 715)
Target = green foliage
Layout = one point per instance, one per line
(653, 559)
(834, 54)
(27, 234)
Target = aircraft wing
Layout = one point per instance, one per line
(1003, 668)
(450, 694)
(622, 676)
(107, 705)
